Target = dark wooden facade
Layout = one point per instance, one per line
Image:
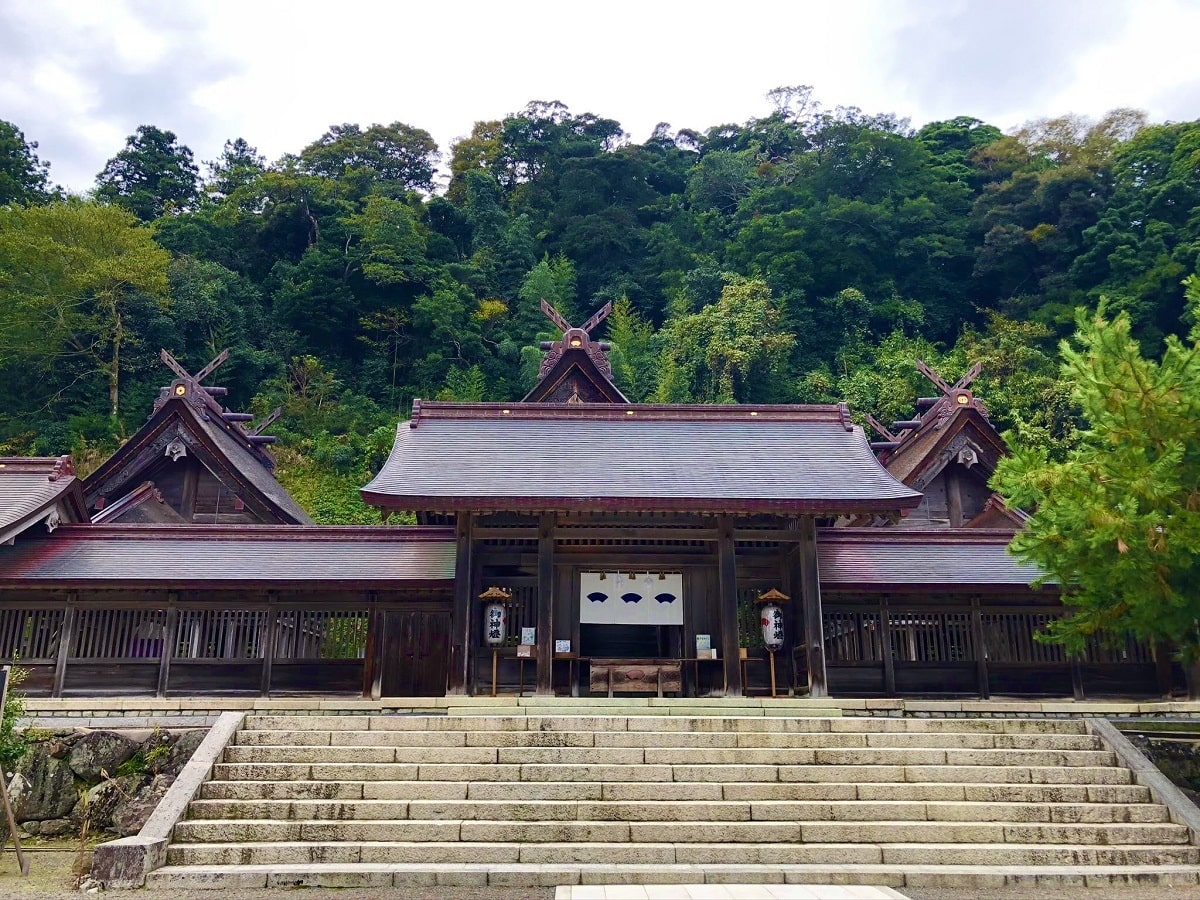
(197, 574)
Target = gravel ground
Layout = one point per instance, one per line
(51, 878)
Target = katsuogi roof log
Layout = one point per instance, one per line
(706, 459)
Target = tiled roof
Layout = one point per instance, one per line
(30, 486)
(216, 556)
(526, 457)
(952, 560)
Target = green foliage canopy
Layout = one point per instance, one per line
(1117, 522)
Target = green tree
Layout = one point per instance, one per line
(728, 352)
(1117, 522)
(70, 276)
(395, 153)
(154, 174)
(23, 177)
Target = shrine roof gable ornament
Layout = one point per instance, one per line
(188, 421)
(575, 369)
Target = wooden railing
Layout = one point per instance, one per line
(973, 646)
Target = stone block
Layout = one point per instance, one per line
(358, 771)
(599, 854)
(409, 830)
(655, 790)
(739, 756)
(843, 773)
(590, 756)
(534, 790)
(551, 772)
(546, 832)
(501, 739)
(796, 790)
(414, 790)
(463, 772)
(661, 810)
(443, 854)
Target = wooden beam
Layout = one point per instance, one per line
(545, 605)
(727, 599)
(65, 637)
(461, 633)
(169, 642)
(814, 625)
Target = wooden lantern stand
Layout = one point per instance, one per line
(501, 596)
(775, 597)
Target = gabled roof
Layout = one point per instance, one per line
(892, 559)
(575, 368)
(38, 489)
(997, 515)
(216, 556)
(953, 428)
(526, 457)
(188, 420)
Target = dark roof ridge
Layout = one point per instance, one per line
(654, 412)
(872, 535)
(240, 532)
(53, 467)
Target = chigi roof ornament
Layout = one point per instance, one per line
(575, 369)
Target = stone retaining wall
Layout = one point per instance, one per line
(113, 779)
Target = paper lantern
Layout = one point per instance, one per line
(771, 618)
(495, 616)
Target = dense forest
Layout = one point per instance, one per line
(811, 255)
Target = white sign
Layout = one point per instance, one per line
(614, 598)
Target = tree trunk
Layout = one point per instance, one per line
(1191, 671)
(114, 373)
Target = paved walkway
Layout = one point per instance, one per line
(726, 892)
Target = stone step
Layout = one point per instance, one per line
(260, 771)
(668, 756)
(699, 831)
(681, 791)
(691, 739)
(678, 811)
(718, 723)
(412, 876)
(456, 853)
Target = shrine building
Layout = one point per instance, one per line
(569, 543)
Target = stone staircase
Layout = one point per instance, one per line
(544, 799)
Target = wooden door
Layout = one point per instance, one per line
(415, 652)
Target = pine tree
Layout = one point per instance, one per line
(1117, 523)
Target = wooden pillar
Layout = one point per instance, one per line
(814, 624)
(727, 601)
(169, 641)
(191, 487)
(269, 632)
(980, 641)
(885, 649)
(461, 634)
(954, 505)
(787, 582)
(545, 604)
(373, 670)
(65, 638)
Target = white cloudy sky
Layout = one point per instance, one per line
(78, 76)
